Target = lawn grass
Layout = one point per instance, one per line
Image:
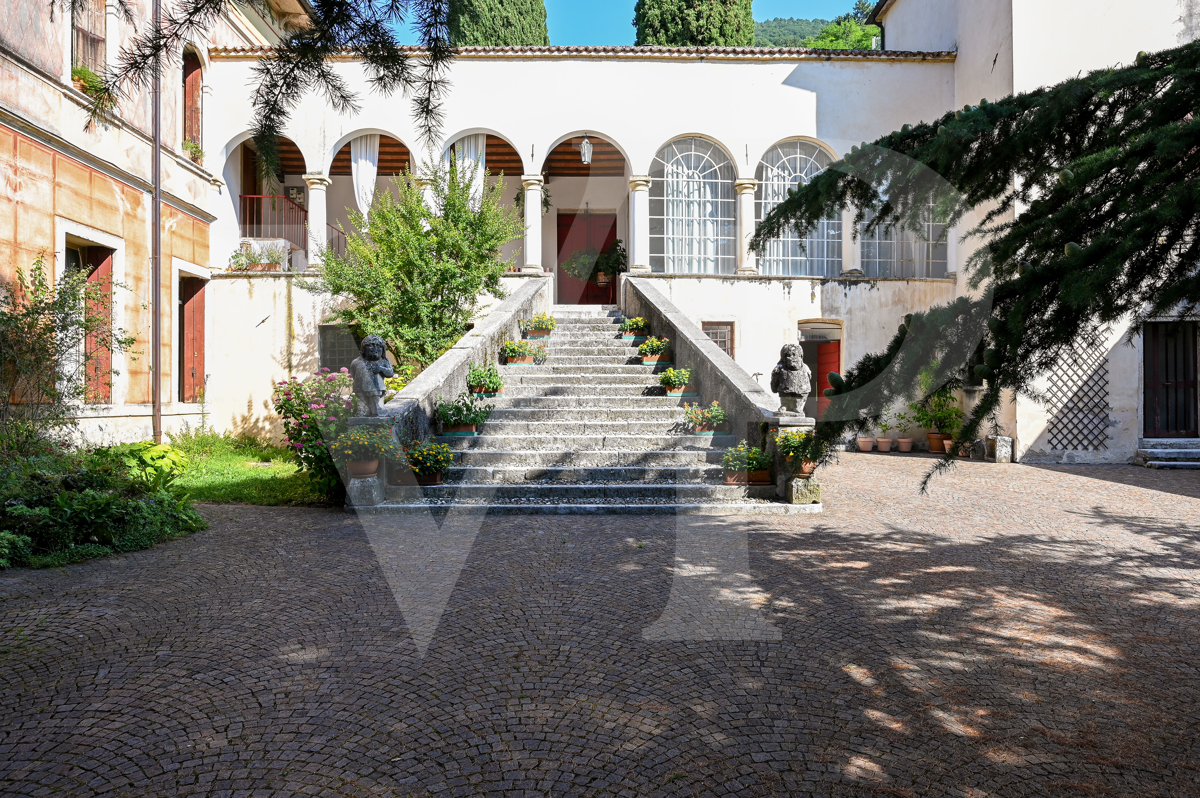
(242, 471)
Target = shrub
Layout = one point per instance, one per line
(155, 466)
(635, 325)
(15, 550)
(316, 411)
(466, 409)
(427, 459)
(366, 443)
(675, 378)
(939, 411)
(193, 150)
(542, 321)
(699, 416)
(745, 457)
(582, 264)
(655, 346)
(485, 377)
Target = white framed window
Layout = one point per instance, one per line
(899, 251)
(693, 213)
(785, 166)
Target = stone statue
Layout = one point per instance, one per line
(368, 372)
(791, 379)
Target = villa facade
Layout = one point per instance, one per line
(677, 152)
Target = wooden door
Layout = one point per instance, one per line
(829, 358)
(191, 338)
(97, 348)
(1170, 405)
(576, 232)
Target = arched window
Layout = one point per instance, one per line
(902, 252)
(191, 98)
(785, 166)
(693, 222)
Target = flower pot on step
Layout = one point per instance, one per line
(762, 477)
(866, 444)
(362, 469)
(639, 338)
(517, 361)
(459, 430)
(537, 333)
(704, 429)
(480, 390)
(682, 390)
(430, 479)
(664, 359)
(883, 444)
(904, 444)
(936, 445)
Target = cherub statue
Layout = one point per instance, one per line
(791, 379)
(369, 371)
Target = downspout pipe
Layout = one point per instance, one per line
(156, 244)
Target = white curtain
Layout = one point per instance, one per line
(695, 183)
(785, 166)
(471, 155)
(364, 167)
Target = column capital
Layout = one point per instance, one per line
(530, 182)
(745, 185)
(317, 182)
(639, 183)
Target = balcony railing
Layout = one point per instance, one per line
(337, 241)
(267, 216)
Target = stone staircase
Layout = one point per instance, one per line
(1168, 453)
(589, 431)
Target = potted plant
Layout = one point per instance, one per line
(429, 461)
(582, 264)
(540, 326)
(866, 443)
(361, 449)
(463, 415)
(194, 152)
(704, 420)
(797, 447)
(611, 262)
(654, 350)
(634, 329)
(517, 352)
(885, 425)
(484, 381)
(676, 381)
(746, 465)
(903, 424)
(939, 411)
(88, 82)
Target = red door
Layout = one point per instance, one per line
(98, 369)
(576, 232)
(829, 358)
(191, 338)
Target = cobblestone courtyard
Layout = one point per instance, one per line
(1019, 631)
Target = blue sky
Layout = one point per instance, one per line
(608, 21)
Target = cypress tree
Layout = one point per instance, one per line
(1090, 199)
(694, 23)
(496, 23)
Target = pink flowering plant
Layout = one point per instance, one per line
(316, 411)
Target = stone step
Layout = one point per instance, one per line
(582, 398)
(607, 426)
(560, 380)
(579, 493)
(1182, 465)
(1180, 454)
(521, 474)
(567, 458)
(595, 443)
(580, 332)
(587, 323)
(562, 360)
(596, 389)
(568, 415)
(595, 349)
(553, 366)
(1156, 444)
(648, 507)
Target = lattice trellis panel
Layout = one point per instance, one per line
(1078, 401)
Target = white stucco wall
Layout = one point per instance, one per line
(923, 24)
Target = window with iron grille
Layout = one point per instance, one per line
(786, 166)
(693, 219)
(336, 347)
(897, 251)
(721, 334)
(87, 28)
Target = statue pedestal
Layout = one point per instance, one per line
(785, 486)
(369, 492)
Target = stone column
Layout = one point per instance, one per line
(639, 225)
(533, 223)
(747, 263)
(318, 221)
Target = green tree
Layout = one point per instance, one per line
(862, 9)
(694, 23)
(494, 23)
(847, 34)
(780, 32)
(414, 274)
(1090, 195)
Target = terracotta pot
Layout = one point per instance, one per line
(705, 429)
(603, 279)
(633, 337)
(459, 429)
(262, 267)
(883, 444)
(482, 391)
(807, 467)
(762, 477)
(961, 451)
(537, 333)
(683, 390)
(904, 444)
(431, 479)
(866, 444)
(78, 84)
(516, 360)
(362, 469)
(935, 442)
(397, 472)
(656, 358)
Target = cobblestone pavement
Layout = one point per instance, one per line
(1019, 631)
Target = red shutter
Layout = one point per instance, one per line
(191, 98)
(98, 370)
(191, 338)
(829, 358)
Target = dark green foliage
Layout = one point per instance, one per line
(862, 9)
(694, 23)
(1093, 194)
(848, 34)
(497, 23)
(73, 507)
(780, 32)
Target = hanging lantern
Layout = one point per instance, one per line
(585, 150)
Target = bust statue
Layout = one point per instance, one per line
(368, 372)
(791, 379)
